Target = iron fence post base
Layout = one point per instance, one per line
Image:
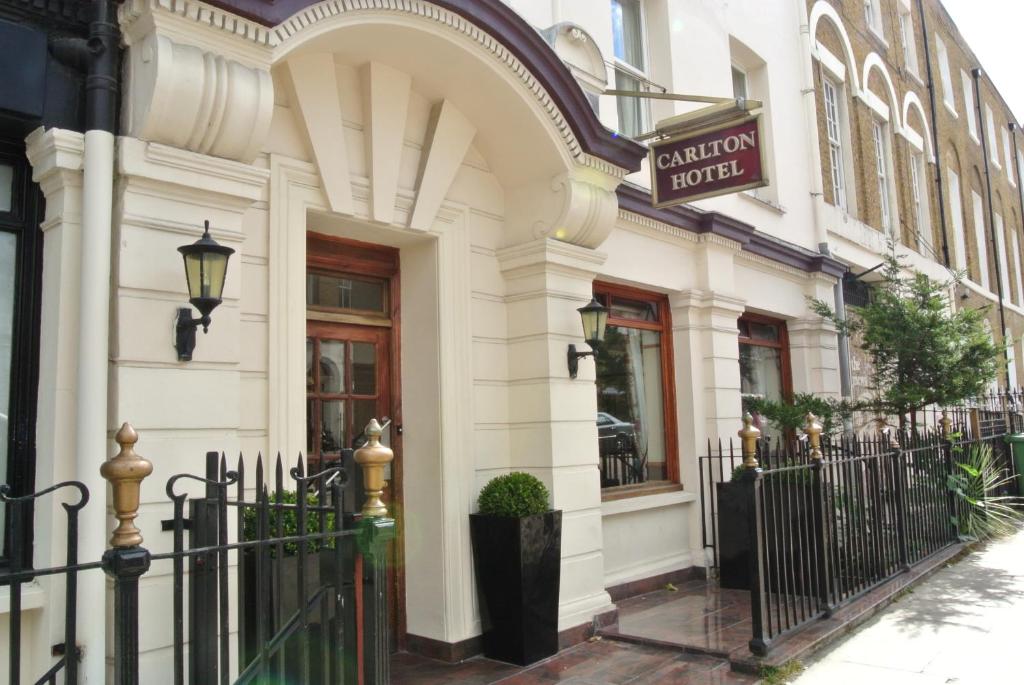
(125, 565)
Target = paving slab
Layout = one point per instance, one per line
(960, 626)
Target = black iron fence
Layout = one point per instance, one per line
(808, 524)
(278, 585)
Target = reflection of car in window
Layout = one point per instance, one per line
(609, 426)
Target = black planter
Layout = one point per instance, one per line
(517, 562)
(791, 533)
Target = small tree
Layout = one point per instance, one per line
(922, 352)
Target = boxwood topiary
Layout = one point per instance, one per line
(514, 495)
(288, 513)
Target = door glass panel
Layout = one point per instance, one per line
(362, 412)
(344, 292)
(332, 366)
(8, 247)
(332, 431)
(6, 187)
(364, 368)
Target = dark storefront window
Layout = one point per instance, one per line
(20, 243)
(764, 358)
(635, 401)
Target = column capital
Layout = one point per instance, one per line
(546, 254)
(54, 151)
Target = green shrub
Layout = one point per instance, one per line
(981, 513)
(791, 415)
(289, 517)
(514, 495)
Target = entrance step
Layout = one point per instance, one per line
(596, 662)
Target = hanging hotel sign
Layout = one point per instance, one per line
(707, 159)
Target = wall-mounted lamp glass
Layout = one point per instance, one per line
(595, 318)
(206, 265)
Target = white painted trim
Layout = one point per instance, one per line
(874, 61)
(646, 502)
(33, 596)
(654, 567)
(910, 99)
(824, 10)
(829, 62)
(875, 104)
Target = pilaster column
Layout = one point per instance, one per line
(56, 156)
(814, 346)
(551, 417)
(706, 348)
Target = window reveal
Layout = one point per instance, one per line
(764, 358)
(635, 401)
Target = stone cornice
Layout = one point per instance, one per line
(242, 183)
(638, 201)
(491, 23)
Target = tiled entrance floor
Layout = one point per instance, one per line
(679, 636)
(599, 662)
(697, 616)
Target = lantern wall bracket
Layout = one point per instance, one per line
(574, 359)
(185, 332)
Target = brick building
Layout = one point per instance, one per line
(908, 131)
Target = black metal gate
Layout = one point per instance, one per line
(309, 603)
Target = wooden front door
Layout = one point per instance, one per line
(352, 352)
(347, 384)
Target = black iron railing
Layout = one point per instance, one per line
(807, 525)
(310, 597)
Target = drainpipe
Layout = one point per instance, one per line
(935, 134)
(99, 55)
(817, 193)
(1016, 162)
(976, 73)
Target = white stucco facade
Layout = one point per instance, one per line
(402, 124)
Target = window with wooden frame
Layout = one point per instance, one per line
(636, 422)
(764, 358)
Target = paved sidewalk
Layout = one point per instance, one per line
(964, 625)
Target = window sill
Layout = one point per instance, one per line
(644, 497)
(32, 597)
(915, 77)
(950, 108)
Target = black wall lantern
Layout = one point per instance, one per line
(595, 318)
(206, 265)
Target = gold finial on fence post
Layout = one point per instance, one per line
(749, 435)
(946, 424)
(813, 430)
(373, 457)
(125, 473)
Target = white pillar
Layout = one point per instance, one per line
(56, 158)
(554, 433)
